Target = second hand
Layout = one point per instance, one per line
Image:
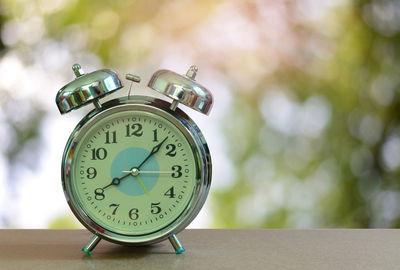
(141, 182)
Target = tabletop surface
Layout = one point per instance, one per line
(207, 249)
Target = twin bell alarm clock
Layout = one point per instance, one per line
(136, 170)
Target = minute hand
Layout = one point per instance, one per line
(155, 149)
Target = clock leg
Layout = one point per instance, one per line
(91, 244)
(176, 244)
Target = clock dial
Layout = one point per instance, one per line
(133, 172)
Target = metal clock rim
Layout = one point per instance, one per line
(195, 139)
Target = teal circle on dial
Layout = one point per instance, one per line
(133, 185)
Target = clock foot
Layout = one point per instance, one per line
(91, 244)
(176, 244)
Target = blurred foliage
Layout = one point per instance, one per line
(312, 125)
(347, 176)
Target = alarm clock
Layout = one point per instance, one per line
(136, 170)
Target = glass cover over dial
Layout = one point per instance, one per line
(133, 172)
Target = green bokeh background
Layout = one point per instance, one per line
(309, 91)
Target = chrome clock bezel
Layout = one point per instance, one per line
(195, 139)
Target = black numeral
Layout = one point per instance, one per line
(155, 135)
(115, 209)
(135, 129)
(177, 171)
(99, 153)
(170, 193)
(99, 194)
(155, 208)
(171, 147)
(134, 213)
(112, 139)
(91, 172)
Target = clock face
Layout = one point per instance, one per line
(133, 172)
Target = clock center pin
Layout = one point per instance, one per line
(135, 171)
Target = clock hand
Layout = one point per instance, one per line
(116, 181)
(155, 149)
(141, 182)
(139, 172)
